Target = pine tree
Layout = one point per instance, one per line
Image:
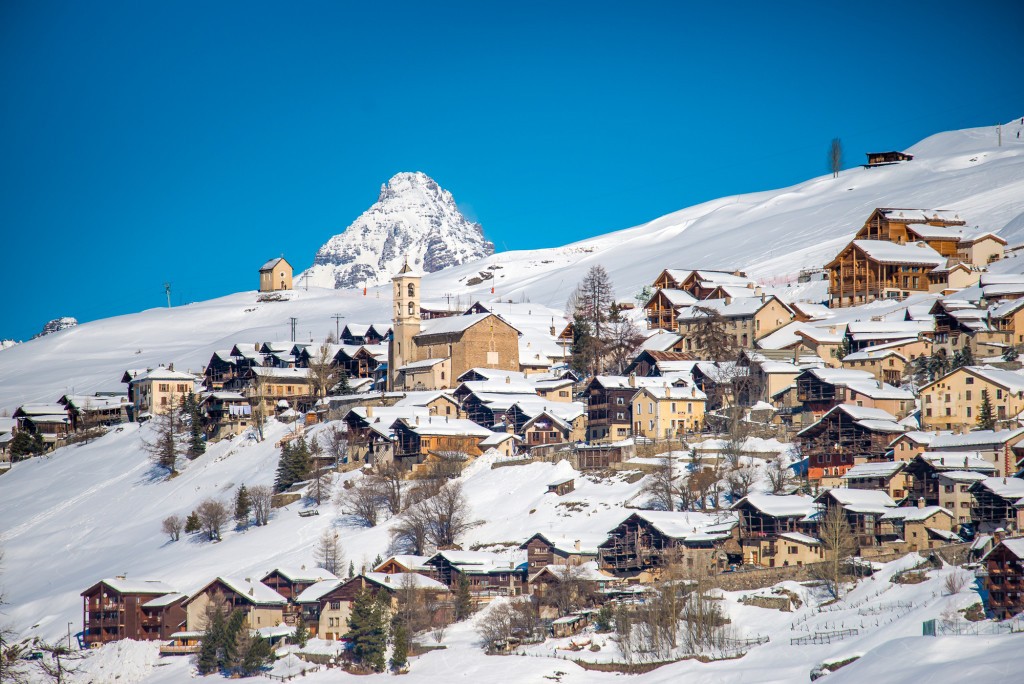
(377, 561)
(400, 646)
(211, 643)
(25, 445)
(171, 436)
(463, 598)
(343, 386)
(367, 631)
(986, 421)
(192, 523)
(243, 505)
(351, 569)
(233, 644)
(301, 466)
(1010, 354)
(194, 416)
(283, 480)
(301, 632)
(257, 655)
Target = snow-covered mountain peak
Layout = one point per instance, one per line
(413, 218)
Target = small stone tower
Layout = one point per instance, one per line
(406, 321)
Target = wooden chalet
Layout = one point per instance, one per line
(291, 582)
(996, 502)
(550, 549)
(417, 439)
(224, 366)
(609, 399)
(119, 608)
(489, 575)
(1004, 579)
(357, 334)
(402, 563)
(886, 158)
(263, 607)
(335, 602)
(773, 530)
(663, 305)
(845, 434)
(652, 362)
(647, 541)
(918, 527)
(97, 410)
(863, 509)
(50, 422)
(925, 469)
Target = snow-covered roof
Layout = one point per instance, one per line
(1009, 380)
(123, 585)
(165, 600)
(1005, 487)
(690, 393)
(420, 365)
(920, 215)
(957, 460)
(588, 572)
(408, 560)
(455, 324)
(1014, 546)
(313, 593)
(627, 382)
(891, 253)
(951, 442)
(914, 513)
(962, 475)
(476, 562)
(272, 263)
(507, 385)
(778, 506)
(860, 500)
(863, 471)
(302, 574)
(396, 581)
(689, 525)
(496, 438)
(280, 373)
(800, 538)
(253, 592)
(442, 425)
(163, 374)
(872, 419)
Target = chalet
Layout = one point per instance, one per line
(886, 362)
(910, 444)
(335, 604)
(771, 371)
(425, 374)
(1008, 317)
(437, 403)
(771, 530)
(402, 563)
(702, 284)
(223, 367)
(290, 582)
(275, 275)
(1004, 580)
(487, 401)
(997, 504)
(268, 386)
(488, 574)
(886, 158)
(86, 411)
(660, 340)
(668, 412)
(118, 608)
(572, 417)
(263, 606)
(955, 496)
(866, 270)
(926, 468)
(823, 342)
(505, 443)
(647, 541)
(357, 334)
(417, 439)
(559, 390)
(546, 428)
(883, 476)
(159, 390)
(49, 421)
(962, 327)
(953, 277)
(652, 362)
(746, 320)
(954, 400)
(225, 414)
(543, 549)
(1001, 286)
(920, 527)
(609, 402)
(588, 582)
(863, 509)
(980, 248)
(844, 434)
(661, 309)
(671, 278)
(370, 436)
(819, 390)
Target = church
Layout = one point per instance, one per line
(430, 355)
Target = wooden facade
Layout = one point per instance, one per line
(1005, 578)
(111, 612)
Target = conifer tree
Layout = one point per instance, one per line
(343, 386)
(283, 479)
(1010, 354)
(367, 631)
(351, 569)
(400, 645)
(170, 440)
(192, 523)
(194, 416)
(213, 637)
(986, 421)
(463, 598)
(243, 505)
(301, 466)
(301, 632)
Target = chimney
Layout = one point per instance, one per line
(369, 412)
(997, 536)
(552, 328)
(417, 420)
(387, 578)
(577, 544)
(632, 379)
(920, 502)
(508, 379)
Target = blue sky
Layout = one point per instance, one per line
(145, 142)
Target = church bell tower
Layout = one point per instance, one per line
(405, 322)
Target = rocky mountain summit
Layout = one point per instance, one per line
(413, 217)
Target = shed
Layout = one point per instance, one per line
(562, 487)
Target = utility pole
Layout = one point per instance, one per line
(999, 133)
(167, 291)
(337, 334)
(293, 321)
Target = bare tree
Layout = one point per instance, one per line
(835, 157)
(260, 497)
(323, 373)
(337, 444)
(739, 481)
(449, 515)
(56, 663)
(257, 399)
(779, 475)
(624, 338)
(172, 527)
(955, 581)
(660, 486)
(447, 464)
(213, 515)
(710, 338)
(389, 482)
(361, 500)
(571, 591)
(170, 439)
(328, 553)
(322, 482)
(411, 534)
(840, 544)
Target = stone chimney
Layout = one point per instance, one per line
(417, 420)
(552, 330)
(920, 502)
(998, 535)
(632, 379)
(369, 412)
(508, 379)
(577, 544)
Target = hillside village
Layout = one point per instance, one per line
(866, 424)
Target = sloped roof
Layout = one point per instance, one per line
(272, 263)
(860, 500)
(313, 593)
(869, 470)
(123, 585)
(886, 252)
(451, 325)
(952, 442)
(957, 460)
(778, 506)
(302, 574)
(397, 581)
(914, 513)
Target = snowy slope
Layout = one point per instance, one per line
(413, 217)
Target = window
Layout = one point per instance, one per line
(164, 388)
(650, 407)
(412, 290)
(411, 309)
(967, 395)
(949, 489)
(968, 411)
(969, 380)
(620, 401)
(639, 409)
(999, 394)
